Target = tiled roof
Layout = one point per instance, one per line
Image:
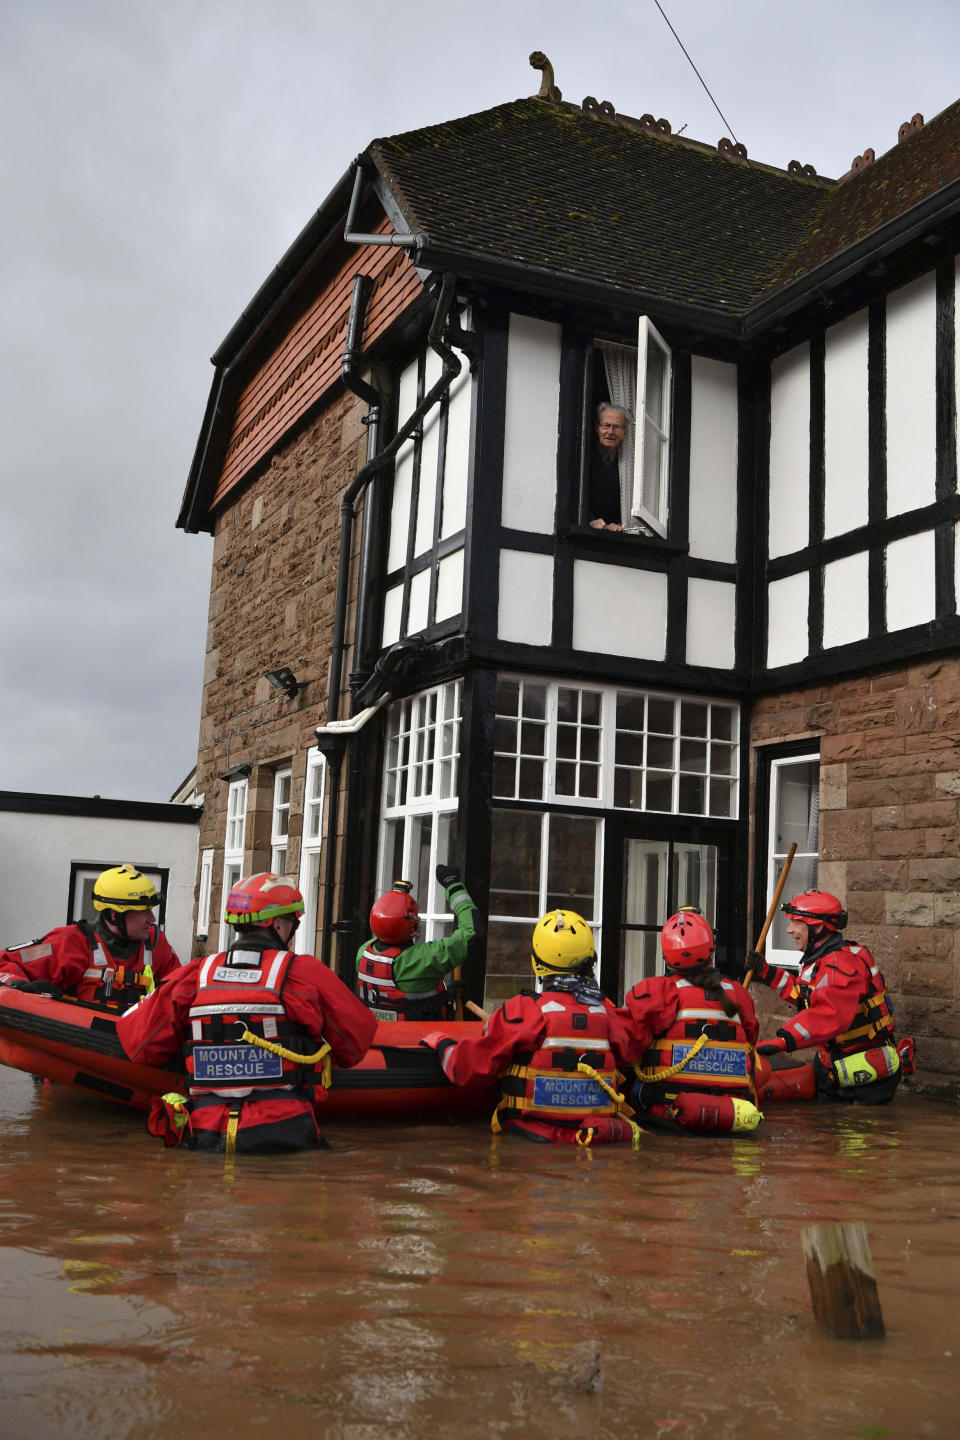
(923, 163)
(549, 185)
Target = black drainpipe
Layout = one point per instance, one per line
(350, 371)
(333, 747)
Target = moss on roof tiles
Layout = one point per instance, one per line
(550, 186)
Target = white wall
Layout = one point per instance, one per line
(711, 619)
(790, 452)
(911, 396)
(787, 619)
(531, 425)
(617, 611)
(911, 592)
(526, 598)
(846, 614)
(36, 852)
(846, 435)
(713, 460)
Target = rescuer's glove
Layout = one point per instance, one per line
(32, 987)
(447, 876)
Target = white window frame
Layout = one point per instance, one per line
(234, 841)
(205, 894)
(716, 746)
(312, 841)
(788, 959)
(656, 518)
(429, 719)
(280, 821)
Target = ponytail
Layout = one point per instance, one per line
(711, 983)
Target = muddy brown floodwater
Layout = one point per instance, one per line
(440, 1282)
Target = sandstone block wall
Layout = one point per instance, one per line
(272, 603)
(890, 834)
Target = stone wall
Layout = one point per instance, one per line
(272, 603)
(890, 834)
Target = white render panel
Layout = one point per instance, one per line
(457, 461)
(429, 457)
(403, 475)
(790, 452)
(711, 620)
(846, 431)
(392, 604)
(619, 611)
(530, 426)
(911, 396)
(911, 592)
(526, 598)
(846, 611)
(38, 851)
(417, 617)
(787, 627)
(449, 586)
(713, 460)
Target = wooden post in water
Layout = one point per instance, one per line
(843, 1286)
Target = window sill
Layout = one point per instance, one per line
(620, 539)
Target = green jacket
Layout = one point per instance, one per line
(422, 964)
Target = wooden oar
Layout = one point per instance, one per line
(475, 1010)
(772, 911)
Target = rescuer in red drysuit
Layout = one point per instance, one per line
(116, 961)
(257, 1028)
(841, 1000)
(697, 1031)
(557, 1052)
(404, 979)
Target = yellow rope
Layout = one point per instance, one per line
(668, 1070)
(589, 1133)
(322, 1056)
(230, 1138)
(586, 1069)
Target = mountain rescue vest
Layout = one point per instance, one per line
(873, 1022)
(109, 981)
(724, 1066)
(378, 990)
(240, 990)
(549, 1083)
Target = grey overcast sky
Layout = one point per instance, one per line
(158, 161)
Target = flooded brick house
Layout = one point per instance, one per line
(421, 649)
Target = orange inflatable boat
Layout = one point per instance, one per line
(76, 1044)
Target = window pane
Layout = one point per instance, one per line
(630, 712)
(629, 749)
(659, 791)
(532, 738)
(656, 376)
(721, 759)
(693, 795)
(515, 864)
(693, 718)
(568, 704)
(566, 777)
(660, 752)
(423, 836)
(508, 960)
(628, 789)
(567, 741)
(531, 780)
(590, 782)
(797, 812)
(590, 707)
(505, 736)
(590, 745)
(534, 701)
(505, 777)
(508, 697)
(693, 755)
(661, 715)
(571, 863)
(721, 722)
(721, 798)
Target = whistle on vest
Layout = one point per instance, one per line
(108, 978)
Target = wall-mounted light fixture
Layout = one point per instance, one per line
(283, 679)
(237, 772)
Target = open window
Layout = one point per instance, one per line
(793, 816)
(280, 822)
(629, 484)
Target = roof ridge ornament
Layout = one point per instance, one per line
(598, 108)
(796, 167)
(859, 162)
(908, 127)
(731, 150)
(548, 90)
(655, 127)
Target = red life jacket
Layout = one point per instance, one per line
(122, 982)
(873, 1022)
(724, 1066)
(547, 1084)
(377, 989)
(241, 990)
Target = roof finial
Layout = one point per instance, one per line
(548, 90)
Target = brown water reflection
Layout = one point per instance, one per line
(442, 1282)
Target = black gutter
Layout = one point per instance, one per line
(28, 802)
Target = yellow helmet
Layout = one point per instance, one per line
(562, 941)
(124, 888)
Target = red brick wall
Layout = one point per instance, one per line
(272, 603)
(890, 834)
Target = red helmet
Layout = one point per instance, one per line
(816, 907)
(687, 940)
(261, 899)
(395, 917)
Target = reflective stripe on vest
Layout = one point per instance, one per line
(247, 986)
(547, 1083)
(128, 976)
(723, 1065)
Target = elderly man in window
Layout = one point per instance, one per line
(603, 500)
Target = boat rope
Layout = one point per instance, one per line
(668, 1070)
(321, 1057)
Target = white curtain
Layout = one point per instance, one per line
(620, 369)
